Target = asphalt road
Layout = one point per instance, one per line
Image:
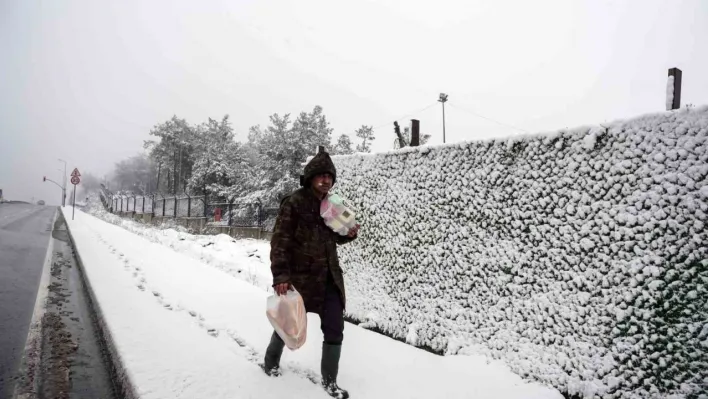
(24, 238)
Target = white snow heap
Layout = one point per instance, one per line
(670, 93)
(580, 257)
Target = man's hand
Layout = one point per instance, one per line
(282, 288)
(354, 231)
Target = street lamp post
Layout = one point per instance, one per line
(443, 100)
(63, 189)
(63, 186)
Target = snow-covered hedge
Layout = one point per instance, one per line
(579, 257)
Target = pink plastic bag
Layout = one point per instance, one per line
(288, 317)
(338, 214)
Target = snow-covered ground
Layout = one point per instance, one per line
(185, 326)
(247, 259)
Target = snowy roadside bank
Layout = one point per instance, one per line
(185, 329)
(119, 372)
(245, 259)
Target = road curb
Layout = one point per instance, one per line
(119, 373)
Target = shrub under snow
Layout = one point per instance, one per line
(579, 257)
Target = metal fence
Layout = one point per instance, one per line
(231, 214)
(240, 214)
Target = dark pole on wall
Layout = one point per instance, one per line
(415, 132)
(673, 89)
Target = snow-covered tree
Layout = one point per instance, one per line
(277, 153)
(343, 146)
(219, 165)
(135, 174)
(173, 153)
(207, 158)
(89, 182)
(366, 134)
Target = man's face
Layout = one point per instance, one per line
(322, 183)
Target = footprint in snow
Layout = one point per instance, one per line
(251, 354)
(157, 294)
(237, 339)
(141, 287)
(210, 330)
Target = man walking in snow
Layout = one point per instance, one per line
(304, 256)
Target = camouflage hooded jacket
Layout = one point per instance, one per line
(303, 248)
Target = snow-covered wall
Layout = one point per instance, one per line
(579, 257)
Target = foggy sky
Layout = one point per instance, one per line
(85, 80)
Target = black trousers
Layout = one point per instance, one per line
(332, 316)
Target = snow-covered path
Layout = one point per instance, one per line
(186, 329)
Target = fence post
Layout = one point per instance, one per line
(259, 218)
(143, 204)
(152, 205)
(121, 204)
(206, 214)
(174, 210)
(673, 89)
(231, 208)
(135, 204)
(164, 204)
(189, 206)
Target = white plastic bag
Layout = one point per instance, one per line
(288, 317)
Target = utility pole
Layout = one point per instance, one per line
(63, 190)
(443, 100)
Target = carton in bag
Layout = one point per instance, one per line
(338, 214)
(288, 317)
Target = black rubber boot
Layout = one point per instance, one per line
(271, 364)
(330, 369)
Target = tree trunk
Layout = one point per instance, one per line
(159, 169)
(174, 173)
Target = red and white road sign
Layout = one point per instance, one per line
(75, 173)
(75, 180)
